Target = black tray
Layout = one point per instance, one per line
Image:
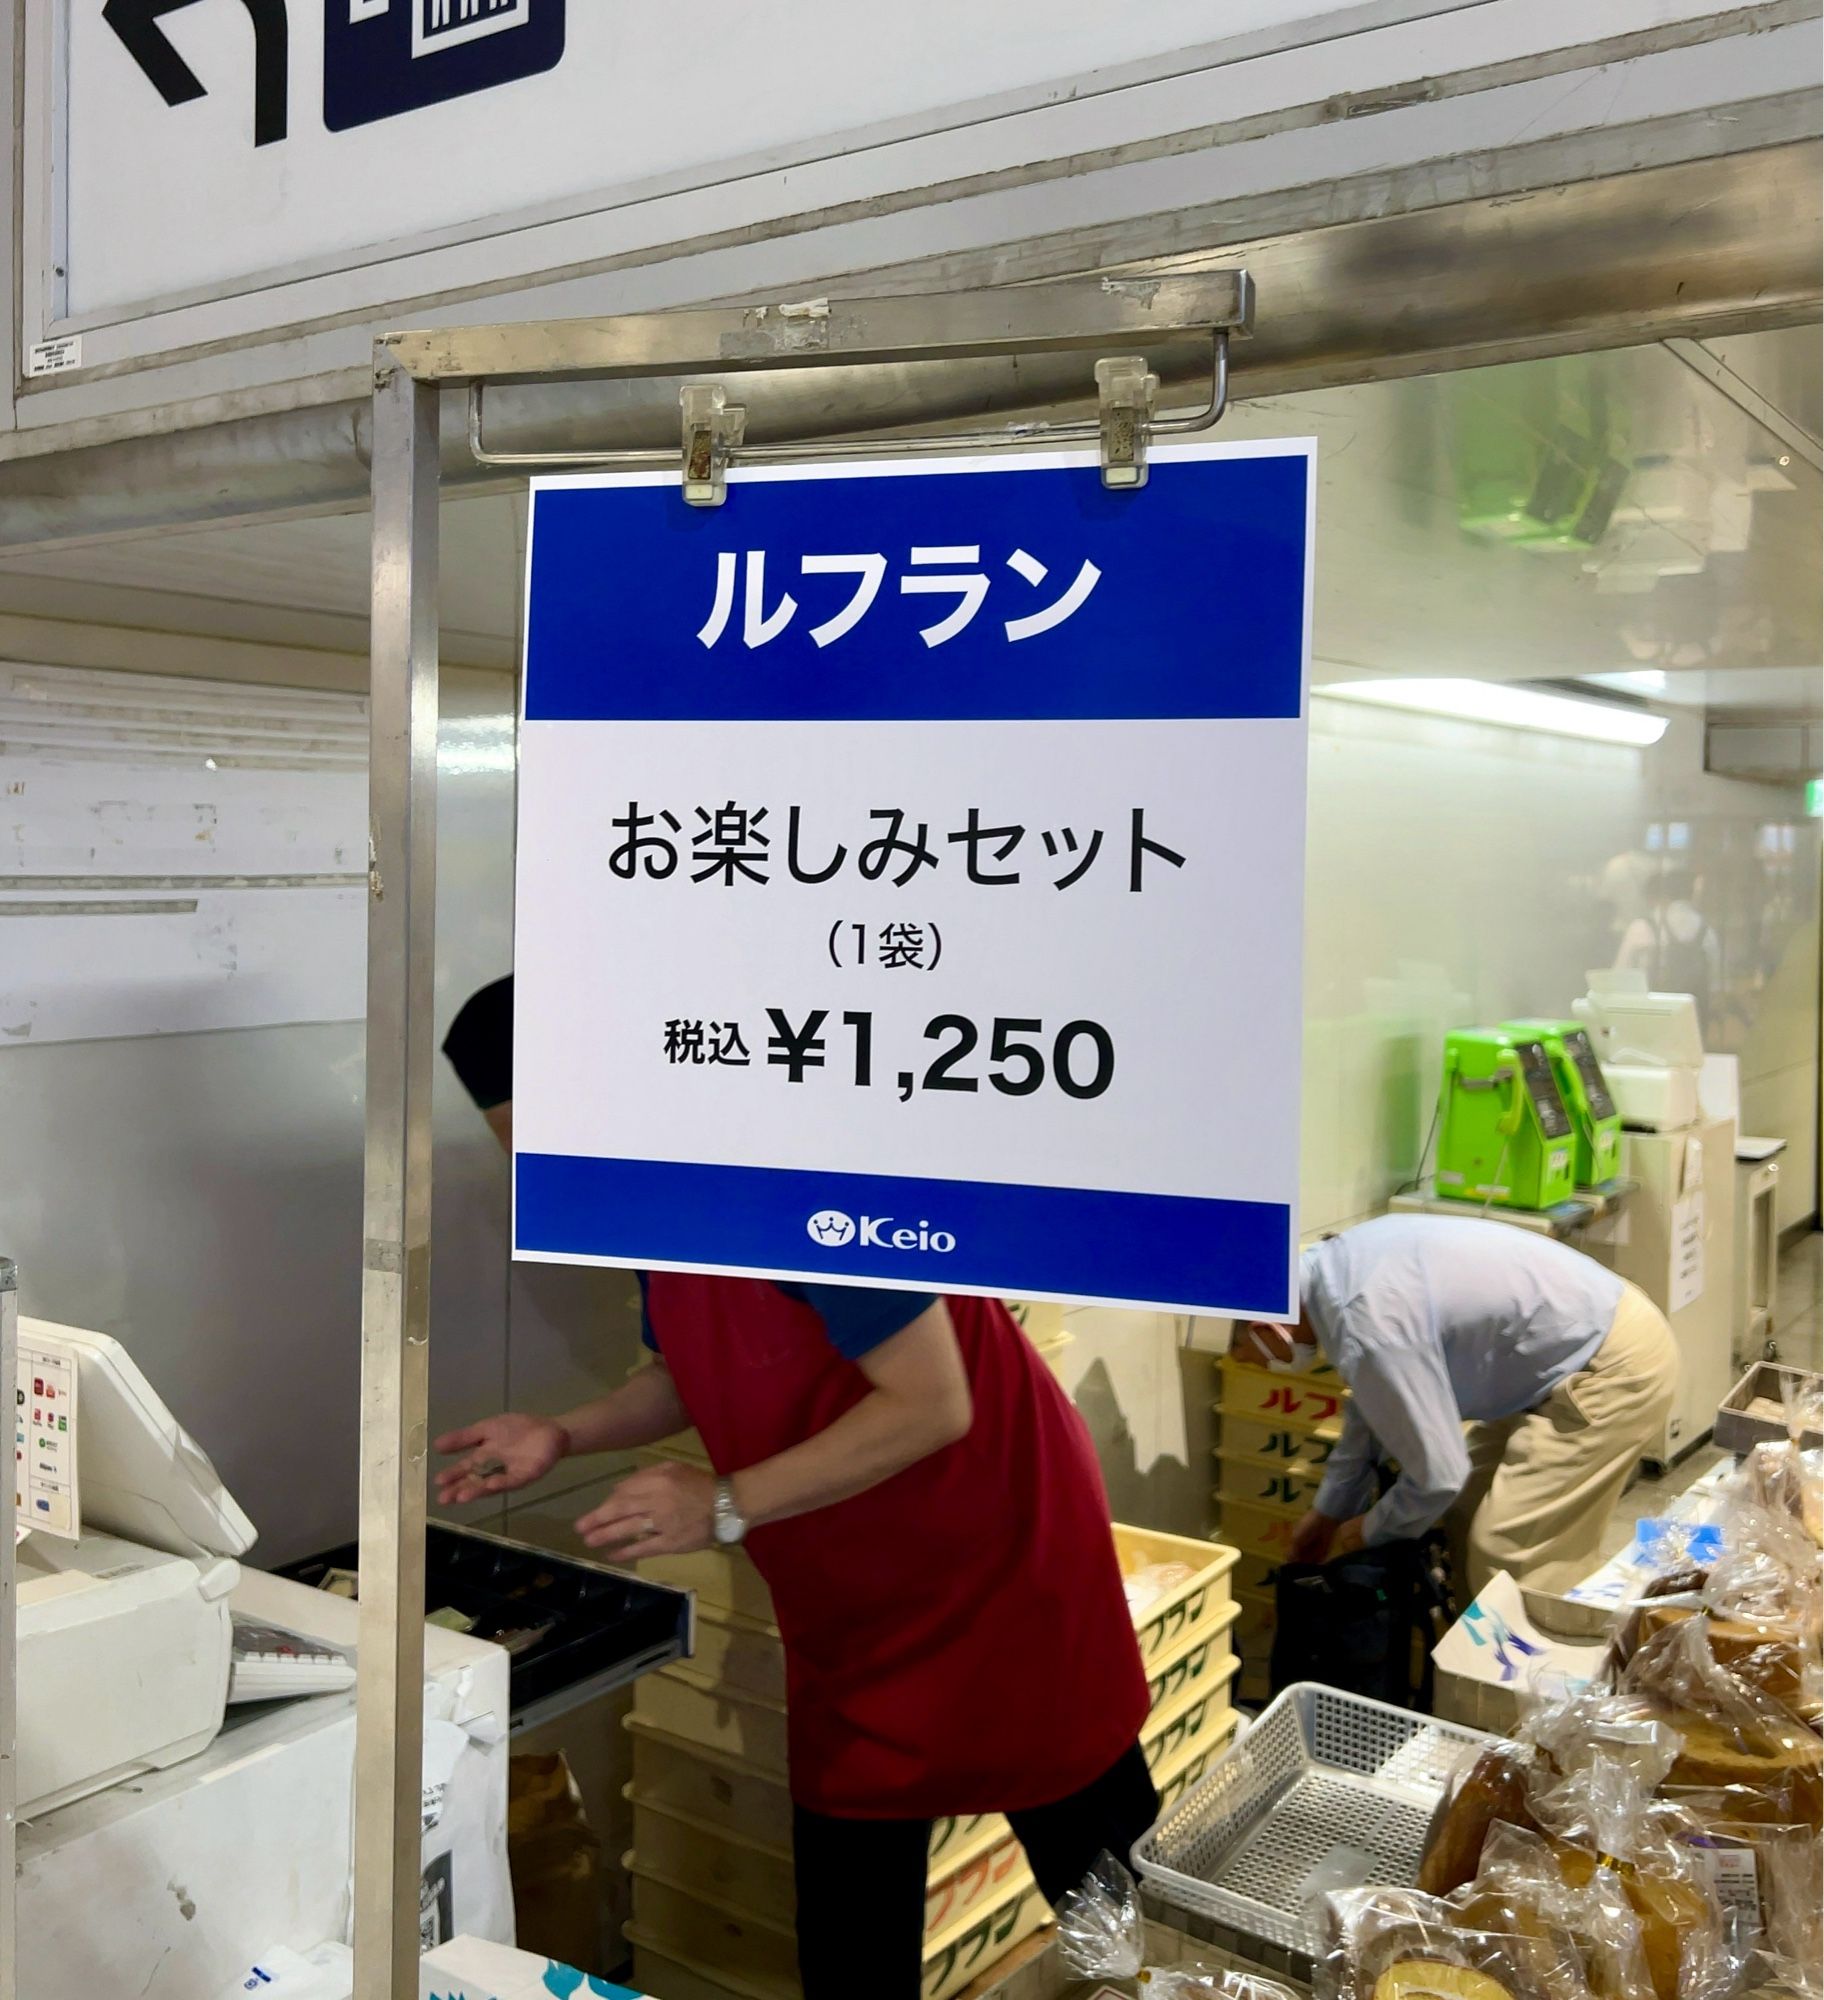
(607, 1628)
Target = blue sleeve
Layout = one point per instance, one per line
(646, 1333)
(1404, 1393)
(858, 1318)
(1348, 1487)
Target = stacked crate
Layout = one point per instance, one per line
(713, 1891)
(1275, 1436)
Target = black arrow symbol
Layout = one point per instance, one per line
(136, 23)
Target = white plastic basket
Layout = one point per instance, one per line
(1327, 1790)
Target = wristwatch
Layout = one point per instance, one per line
(730, 1524)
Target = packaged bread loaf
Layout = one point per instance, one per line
(1102, 1935)
(1769, 1655)
(1730, 1732)
(1400, 1944)
(1521, 1889)
(1492, 1790)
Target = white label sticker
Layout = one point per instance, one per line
(1687, 1251)
(1734, 1878)
(46, 1486)
(54, 357)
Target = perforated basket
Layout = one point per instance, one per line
(1327, 1790)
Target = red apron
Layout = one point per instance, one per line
(957, 1639)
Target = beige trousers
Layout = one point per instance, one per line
(1543, 1485)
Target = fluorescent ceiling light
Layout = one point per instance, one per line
(1510, 706)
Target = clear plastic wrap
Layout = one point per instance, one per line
(1767, 1877)
(1493, 1790)
(1786, 1479)
(1731, 1731)
(1400, 1944)
(1620, 1731)
(1102, 1935)
(1521, 1888)
(1601, 1821)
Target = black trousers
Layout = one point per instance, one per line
(861, 1882)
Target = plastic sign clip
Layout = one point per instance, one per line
(713, 428)
(1125, 394)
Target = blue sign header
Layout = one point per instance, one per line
(1000, 595)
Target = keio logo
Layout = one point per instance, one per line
(830, 1229)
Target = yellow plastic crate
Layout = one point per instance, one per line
(759, 1959)
(708, 1785)
(684, 1705)
(724, 1580)
(1041, 1320)
(689, 1779)
(756, 1878)
(738, 1652)
(1195, 1605)
(984, 1937)
(1260, 1530)
(755, 1875)
(1288, 1402)
(712, 1861)
(1177, 1775)
(715, 1936)
(1254, 1574)
(1265, 1482)
(1198, 1717)
(671, 1971)
(1254, 1629)
(1203, 1655)
(1274, 1439)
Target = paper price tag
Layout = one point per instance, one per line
(1734, 1877)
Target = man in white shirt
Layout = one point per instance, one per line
(1565, 1371)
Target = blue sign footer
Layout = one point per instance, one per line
(927, 1234)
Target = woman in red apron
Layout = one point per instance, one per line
(925, 1503)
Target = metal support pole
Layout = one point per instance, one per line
(395, 1282)
(9, 1646)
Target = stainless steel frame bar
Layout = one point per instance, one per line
(411, 372)
(1079, 314)
(1028, 431)
(396, 1263)
(9, 1659)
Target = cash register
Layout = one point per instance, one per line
(1650, 1048)
(127, 1554)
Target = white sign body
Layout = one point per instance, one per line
(204, 143)
(911, 872)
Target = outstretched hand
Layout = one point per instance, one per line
(499, 1456)
(662, 1510)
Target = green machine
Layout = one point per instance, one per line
(1541, 459)
(1504, 1136)
(1585, 1093)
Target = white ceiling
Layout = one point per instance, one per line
(1404, 587)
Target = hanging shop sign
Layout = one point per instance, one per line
(275, 140)
(911, 876)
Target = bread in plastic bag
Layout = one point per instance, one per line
(1102, 1935)
(1767, 1877)
(1786, 1479)
(1600, 1818)
(1521, 1887)
(1493, 1789)
(1400, 1944)
(1730, 1731)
